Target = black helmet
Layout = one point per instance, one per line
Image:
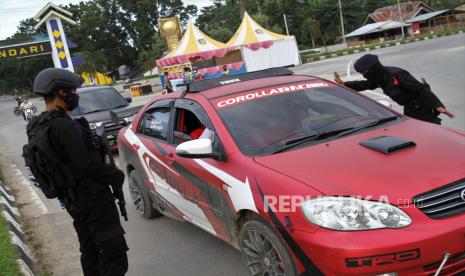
(365, 62)
(49, 80)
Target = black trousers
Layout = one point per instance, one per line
(101, 238)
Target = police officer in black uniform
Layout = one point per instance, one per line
(416, 97)
(93, 209)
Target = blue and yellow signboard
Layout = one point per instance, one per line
(58, 41)
(53, 15)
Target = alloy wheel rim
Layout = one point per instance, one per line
(261, 255)
(136, 196)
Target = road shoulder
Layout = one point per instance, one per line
(51, 236)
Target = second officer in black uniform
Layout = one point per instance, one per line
(92, 204)
(416, 97)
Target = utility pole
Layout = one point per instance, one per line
(342, 22)
(285, 24)
(401, 19)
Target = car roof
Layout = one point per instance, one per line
(94, 88)
(239, 87)
(253, 84)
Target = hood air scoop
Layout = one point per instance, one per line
(387, 144)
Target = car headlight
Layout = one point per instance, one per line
(129, 119)
(94, 125)
(350, 214)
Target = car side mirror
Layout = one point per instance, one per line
(128, 99)
(198, 148)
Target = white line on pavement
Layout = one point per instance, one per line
(32, 193)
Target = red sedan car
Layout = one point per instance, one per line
(304, 176)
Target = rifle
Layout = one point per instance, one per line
(117, 190)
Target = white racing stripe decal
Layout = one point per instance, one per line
(239, 192)
(133, 139)
(191, 210)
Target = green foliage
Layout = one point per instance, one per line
(114, 32)
(108, 33)
(7, 253)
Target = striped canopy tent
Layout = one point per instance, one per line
(252, 35)
(262, 49)
(194, 44)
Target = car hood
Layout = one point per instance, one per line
(104, 116)
(344, 167)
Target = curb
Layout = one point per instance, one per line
(18, 238)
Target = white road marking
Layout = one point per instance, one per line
(33, 196)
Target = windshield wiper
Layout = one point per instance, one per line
(291, 143)
(95, 111)
(371, 123)
(312, 136)
(121, 105)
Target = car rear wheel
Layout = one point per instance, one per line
(264, 252)
(140, 197)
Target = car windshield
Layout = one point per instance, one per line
(262, 122)
(98, 100)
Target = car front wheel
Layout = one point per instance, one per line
(140, 197)
(264, 252)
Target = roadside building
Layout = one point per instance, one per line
(375, 33)
(437, 21)
(402, 12)
(386, 23)
(460, 7)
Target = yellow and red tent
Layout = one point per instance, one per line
(194, 43)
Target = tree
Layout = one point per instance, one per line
(242, 7)
(108, 33)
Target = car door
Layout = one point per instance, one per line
(154, 136)
(201, 188)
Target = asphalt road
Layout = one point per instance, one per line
(166, 247)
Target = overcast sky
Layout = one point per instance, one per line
(13, 11)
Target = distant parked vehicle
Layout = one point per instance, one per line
(96, 102)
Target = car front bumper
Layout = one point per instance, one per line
(414, 250)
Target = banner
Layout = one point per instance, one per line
(25, 50)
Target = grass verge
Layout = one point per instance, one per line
(8, 264)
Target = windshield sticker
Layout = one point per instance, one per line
(240, 98)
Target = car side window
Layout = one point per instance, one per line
(188, 126)
(156, 123)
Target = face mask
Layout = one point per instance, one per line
(71, 100)
(374, 74)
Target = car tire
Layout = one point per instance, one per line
(264, 251)
(140, 197)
